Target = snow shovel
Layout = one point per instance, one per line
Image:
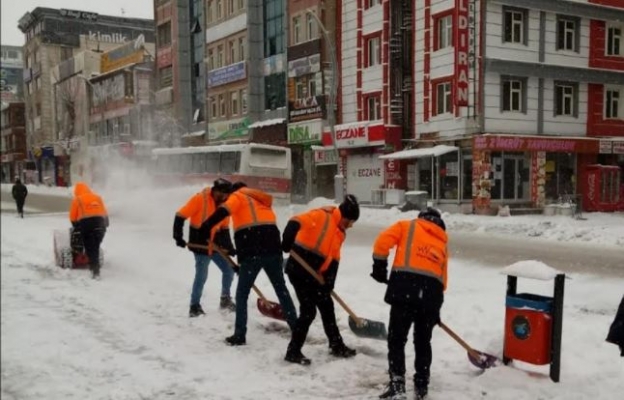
(478, 359)
(265, 306)
(362, 327)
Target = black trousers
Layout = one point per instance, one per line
(310, 298)
(20, 206)
(92, 239)
(424, 317)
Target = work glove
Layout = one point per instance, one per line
(236, 268)
(380, 271)
(231, 252)
(180, 242)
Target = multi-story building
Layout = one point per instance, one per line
(53, 36)
(13, 136)
(511, 99)
(11, 81)
(180, 94)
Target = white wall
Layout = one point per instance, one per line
(372, 20)
(497, 121)
(567, 58)
(349, 61)
(496, 48)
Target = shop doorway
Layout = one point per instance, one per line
(511, 176)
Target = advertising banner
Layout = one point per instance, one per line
(308, 108)
(228, 74)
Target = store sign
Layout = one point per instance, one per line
(393, 174)
(130, 53)
(462, 35)
(89, 16)
(305, 133)
(325, 157)
(524, 143)
(104, 37)
(605, 147)
(308, 108)
(618, 147)
(304, 66)
(231, 73)
(232, 129)
(352, 136)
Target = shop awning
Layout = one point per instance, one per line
(435, 151)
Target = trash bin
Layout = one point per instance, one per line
(528, 328)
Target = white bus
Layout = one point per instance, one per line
(261, 166)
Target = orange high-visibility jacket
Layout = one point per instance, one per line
(320, 234)
(197, 210)
(421, 248)
(86, 204)
(249, 208)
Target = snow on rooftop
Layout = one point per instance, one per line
(532, 269)
(268, 122)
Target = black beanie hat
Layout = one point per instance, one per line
(349, 208)
(222, 185)
(432, 215)
(238, 185)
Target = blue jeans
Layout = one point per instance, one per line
(249, 269)
(201, 274)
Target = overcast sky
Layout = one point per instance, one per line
(13, 10)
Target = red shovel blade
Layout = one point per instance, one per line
(270, 309)
(482, 360)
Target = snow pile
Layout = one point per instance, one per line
(531, 269)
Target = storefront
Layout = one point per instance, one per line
(360, 145)
(301, 136)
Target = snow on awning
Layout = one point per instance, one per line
(435, 151)
(194, 134)
(268, 122)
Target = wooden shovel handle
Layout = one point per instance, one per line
(473, 353)
(227, 258)
(320, 279)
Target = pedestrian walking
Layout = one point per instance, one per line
(88, 214)
(19, 192)
(616, 331)
(317, 237)
(197, 209)
(258, 247)
(415, 293)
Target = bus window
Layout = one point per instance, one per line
(212, 163)
(199, 163)
(268, 158)
(186, 164)
(230, 162)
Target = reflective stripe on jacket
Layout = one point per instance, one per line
(421, 248)
(249, 208)
(86, 204)
(197, 210)
(320, 234)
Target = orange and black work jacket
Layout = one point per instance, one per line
(87, 209)
(253, 219)
(315, 236)
(197, 209)
(419, 271)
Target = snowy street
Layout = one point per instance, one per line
(128, 336)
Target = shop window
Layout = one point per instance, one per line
(443, 98)
(566, 99)
(613, 103)
(444, 31)
(373, 51)
(560, 177)
(515, 25)
(614, 40)
(467, 176)
(449, 175)
(568, 33)
(513, 96)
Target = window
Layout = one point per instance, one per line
(66, 53)
(275, 95)
(372, 3)
(213, 107)
(301, 90)
(513, 94)
(612, 104)
(373, 108)
(241, 49)
(241, 4)
(164, 34)
(234, 103)
(296, 30)
(568, 33)
(230, 7)
(274, 31)
(374, 51)
(311, 27)
(222, 110)
(312, 86)
(211, 61)
(566, 99)
(515, 25)
(220, 60)
(210, 11)
(166, 76)
(614, 40)
(243, 99)
(233, 57)
(444, 30)
(219, 9)
(444, 99)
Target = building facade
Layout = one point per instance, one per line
(13, 136)
(53, 36)
(11, 81)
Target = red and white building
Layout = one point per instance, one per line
(503, 101)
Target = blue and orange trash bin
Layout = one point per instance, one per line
(533, 326)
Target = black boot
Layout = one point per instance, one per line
(235, 340)
(296, 357)
(342, 351)
(421, 387)
(95, 271)
(226, 303)
(196, 310)
(395, 390)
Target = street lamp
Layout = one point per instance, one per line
(339, 178)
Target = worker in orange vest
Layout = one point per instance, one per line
(88, 214)
(317, 237)
(197, 209)
(415, 293)
(258, 246)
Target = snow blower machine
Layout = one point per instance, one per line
(69, 250)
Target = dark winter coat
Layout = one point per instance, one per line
(616, 332)
(19, 191)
